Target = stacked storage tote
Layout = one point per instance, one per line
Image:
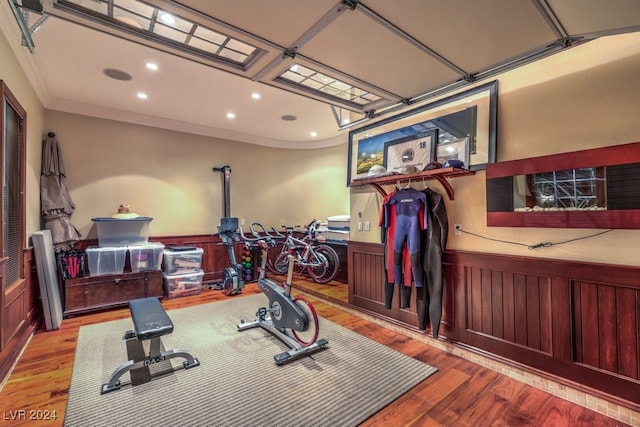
(182, 271)
(338, 229)
(118, 236)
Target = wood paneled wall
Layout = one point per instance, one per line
(576, 322)
(19, 314)
(613, 311)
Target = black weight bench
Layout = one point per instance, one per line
(150, 322)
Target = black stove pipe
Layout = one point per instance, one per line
(226, 187)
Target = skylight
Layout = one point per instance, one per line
(163, 26)
(327, 85)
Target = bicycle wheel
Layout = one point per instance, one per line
(310, 334)
(281, 263)
(271, 260)
(317, 267)
(333, 263)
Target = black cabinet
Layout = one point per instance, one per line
(341, 250)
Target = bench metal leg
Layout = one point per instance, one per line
(155, 356)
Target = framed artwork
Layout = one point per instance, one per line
(416, 151)
(454, 150)
(469, 116)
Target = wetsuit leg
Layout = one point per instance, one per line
(422, 301)
(407, 230)
(405, 297)
(388, 294)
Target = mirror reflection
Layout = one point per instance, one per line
(565, 190)
(464, 126)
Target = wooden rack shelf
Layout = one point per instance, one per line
(440, 175)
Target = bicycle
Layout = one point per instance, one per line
(291, 319)
(318, 261)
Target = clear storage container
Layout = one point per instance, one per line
(122, 232)
(104, 261)
(182, 259)
(180, 285)
(147, 257)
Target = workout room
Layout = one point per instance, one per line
(320, 213)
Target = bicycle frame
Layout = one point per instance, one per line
(319, 261)
(291, 244)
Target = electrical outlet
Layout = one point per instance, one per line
(359, 225)
(242, 221)
(367, 226)
(458, 229)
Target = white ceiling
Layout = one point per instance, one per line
(405, 50)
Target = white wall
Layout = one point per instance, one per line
(168, 176)
(15, 79)
(563, 103)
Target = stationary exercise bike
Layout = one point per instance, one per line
(293, 320)
(232, 277)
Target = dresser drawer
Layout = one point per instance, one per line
(96, 293)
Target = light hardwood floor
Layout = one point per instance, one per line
(461, 393)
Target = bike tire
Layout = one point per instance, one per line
(310, 334)
(318, 268)
(281, 263)
(333, 263)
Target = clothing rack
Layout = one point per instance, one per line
(441, 175)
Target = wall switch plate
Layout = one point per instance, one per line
(359, 225)
(367, 226)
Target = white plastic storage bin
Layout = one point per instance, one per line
(103, 261)
(182, 259)
(147, 257)
(339, 236)
(122, 232)
(181, 285)
(338, 222)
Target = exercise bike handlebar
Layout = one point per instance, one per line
(256, 233)
(266, 237)
(277, 234)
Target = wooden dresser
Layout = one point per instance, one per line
(86, 294)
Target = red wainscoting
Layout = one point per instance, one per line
(576, 322)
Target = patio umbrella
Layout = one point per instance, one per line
(55, 202)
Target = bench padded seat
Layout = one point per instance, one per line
(149, 318)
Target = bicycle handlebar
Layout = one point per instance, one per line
(261, 234)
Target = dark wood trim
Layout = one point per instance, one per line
(441, 175)
(19, 315)
(593, 157)
(623, 219)
(622, 165)
(571, 321)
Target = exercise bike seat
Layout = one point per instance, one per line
(149, 318)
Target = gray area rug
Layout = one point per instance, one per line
(237, 382)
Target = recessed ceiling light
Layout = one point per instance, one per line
(117, 74)
(289, 118)
(142, 95)
(231, 116)
(255, 95)
(314, 134)
(152, 66)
